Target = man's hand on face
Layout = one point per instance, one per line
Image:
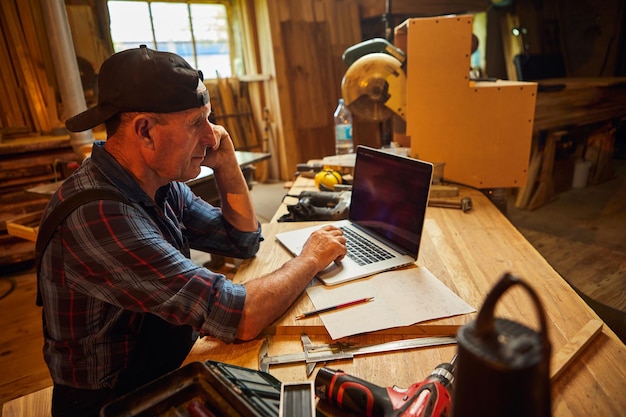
(222, 151)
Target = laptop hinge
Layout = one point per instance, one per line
(382, 239)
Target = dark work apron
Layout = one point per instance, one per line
(161, 348)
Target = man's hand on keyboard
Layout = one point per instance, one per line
(325, 245)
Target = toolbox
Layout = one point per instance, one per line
(202, 389)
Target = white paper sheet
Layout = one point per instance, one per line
(401, 298)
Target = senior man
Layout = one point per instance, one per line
(122, 301)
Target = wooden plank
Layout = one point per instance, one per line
(25, 226)
(437, 191)
(261, 173)
(33, 28)
(216, 105)
(240, 116)
(229, 108)
(526, 191)
(37, 404)
(273, 61)
(545, 188)
(599, 151)
(570, 351)
(9, 212)
(247, 119)
(580, 101)
(30, 160)
(34, 143)
(24, 172)
(255, 83)
(13, 107)
(26, 72)
(270, 143)
(21, 182)
(510, 43)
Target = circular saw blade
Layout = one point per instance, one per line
(365, 86)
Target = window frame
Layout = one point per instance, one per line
(235, 43)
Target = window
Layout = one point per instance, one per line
(198, 31)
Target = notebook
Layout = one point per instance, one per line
(387, 209)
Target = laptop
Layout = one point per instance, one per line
(387, 210)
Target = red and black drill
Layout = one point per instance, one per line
(428, 398)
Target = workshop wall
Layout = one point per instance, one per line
(297, 47)
(587, 33)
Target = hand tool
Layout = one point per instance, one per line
(313, 354)
(427, 398)
(464, 204)
(319, 205)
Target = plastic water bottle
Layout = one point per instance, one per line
(343, 130)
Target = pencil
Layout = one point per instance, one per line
(337, 307)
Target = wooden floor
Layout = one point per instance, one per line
(21, 359)
(582, 234)
(593, 260)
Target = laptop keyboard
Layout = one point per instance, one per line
(363, 251)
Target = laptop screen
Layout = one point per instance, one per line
(390, 195)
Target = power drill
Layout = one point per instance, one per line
(428, 398)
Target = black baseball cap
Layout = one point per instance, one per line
(142, 80)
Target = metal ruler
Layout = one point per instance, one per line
(312, 354)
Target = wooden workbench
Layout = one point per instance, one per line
(566, 102)
(468, 252)
(563, 104)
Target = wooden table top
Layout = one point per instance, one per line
(468, 252)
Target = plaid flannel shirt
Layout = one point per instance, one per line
(110, 263)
